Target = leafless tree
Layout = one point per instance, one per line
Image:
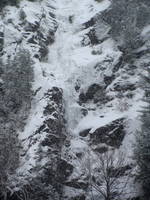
(107, 175)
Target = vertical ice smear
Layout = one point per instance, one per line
(67, 58)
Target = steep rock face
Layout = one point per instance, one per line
(86, 93)
(46, 143)
(107, 97)
(32, 26)
(111, 134)
(24, 27)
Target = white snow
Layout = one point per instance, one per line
(68, 61)
(94, 120)
(146, 31)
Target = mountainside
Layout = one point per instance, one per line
(88, 57)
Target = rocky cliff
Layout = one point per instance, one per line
(88, 57)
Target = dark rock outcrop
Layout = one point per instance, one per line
(90, 23)
(118, 65)
(93, 37)
(50, 175)
(1, 42)
(95, 93)
(84, 133)
(111, 134)
(123, 87)
(108, 79)
(55, 128)
(101, 149)
(36, 36)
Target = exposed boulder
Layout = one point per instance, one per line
(92, 90)
(95, 93)
(84, 133)
(111, 134)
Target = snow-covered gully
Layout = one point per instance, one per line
(68, 60)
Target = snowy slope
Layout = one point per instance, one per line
(70, 68)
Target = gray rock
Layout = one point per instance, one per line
(95, 92)
(108, 79)
(50, 175)
(90, 23)
(84, 133)
(102, 149)
(119, 87)
(111, 134)
(22, 14)
(1, 42)
(93, 37)
(64, 169)
(30, 27)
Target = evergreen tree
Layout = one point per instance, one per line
(15, 99)
(142, 151)
(17, 85)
